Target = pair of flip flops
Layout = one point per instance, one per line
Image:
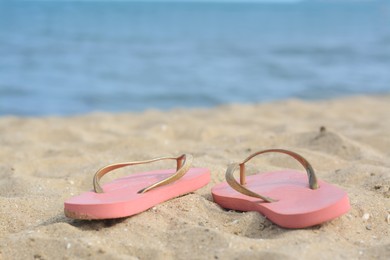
(288, 197)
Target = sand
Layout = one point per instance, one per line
(44, 161)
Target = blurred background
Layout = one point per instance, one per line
(74, 57)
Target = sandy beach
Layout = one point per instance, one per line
(44, 161)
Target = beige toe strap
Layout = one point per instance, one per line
(183, 165)
(313, 184)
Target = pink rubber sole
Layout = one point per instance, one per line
(297, 207)
(120, 197)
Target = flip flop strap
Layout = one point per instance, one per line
(313, 184)
(183, 165)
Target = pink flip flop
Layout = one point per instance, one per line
(136, 193)
(286, 198)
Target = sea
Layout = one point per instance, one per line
(64, 58)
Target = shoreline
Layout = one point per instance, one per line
(45, 160)
(198, 108)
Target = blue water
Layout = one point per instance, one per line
(65, 58)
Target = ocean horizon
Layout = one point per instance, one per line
(76, 57)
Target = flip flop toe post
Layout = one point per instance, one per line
(284, 197)
(138, 192)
